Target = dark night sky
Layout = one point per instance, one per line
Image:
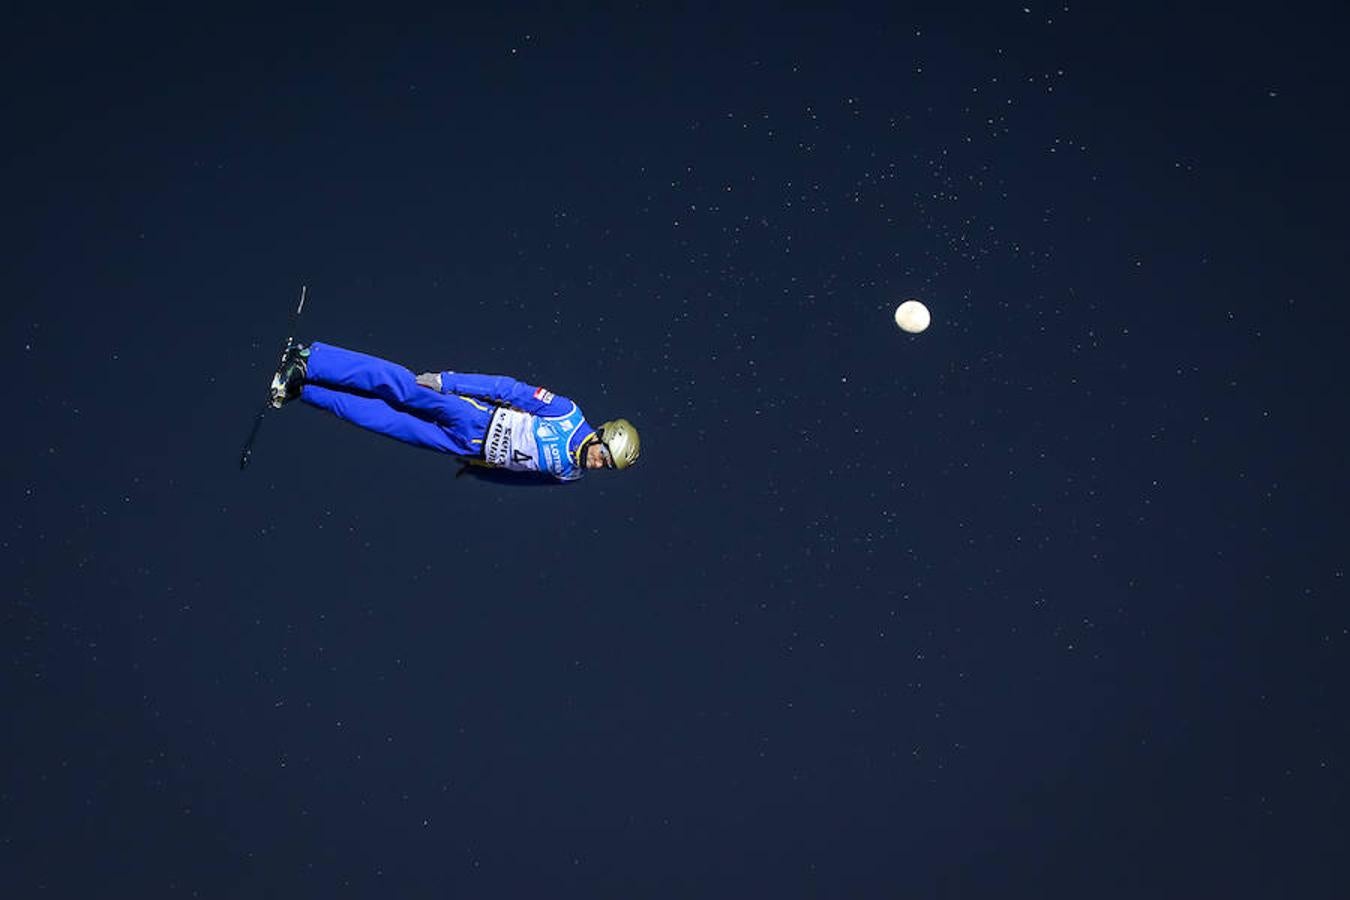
(1049, 601)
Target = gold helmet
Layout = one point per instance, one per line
(621, 441)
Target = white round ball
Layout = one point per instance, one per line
(912, 316)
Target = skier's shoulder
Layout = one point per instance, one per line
(556, 406)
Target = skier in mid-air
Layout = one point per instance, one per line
(485, 420)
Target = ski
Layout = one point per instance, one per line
(258, 419)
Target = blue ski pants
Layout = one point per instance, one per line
(385, 397)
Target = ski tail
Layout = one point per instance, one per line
(247, 453)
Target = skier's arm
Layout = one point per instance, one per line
(504, 390)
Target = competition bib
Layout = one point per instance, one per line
(522, 442)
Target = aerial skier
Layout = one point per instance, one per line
(485, 420)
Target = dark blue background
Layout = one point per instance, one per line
(1049, 601)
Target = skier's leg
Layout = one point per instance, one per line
(339, 368)
(374, 414)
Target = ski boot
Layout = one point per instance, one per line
(290, 376)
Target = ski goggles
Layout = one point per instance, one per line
(606, 455)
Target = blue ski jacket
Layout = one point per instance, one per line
(531, 429)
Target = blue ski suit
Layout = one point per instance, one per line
(489, 420)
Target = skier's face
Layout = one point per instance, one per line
(597, 457)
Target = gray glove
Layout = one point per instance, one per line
(430, 379)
